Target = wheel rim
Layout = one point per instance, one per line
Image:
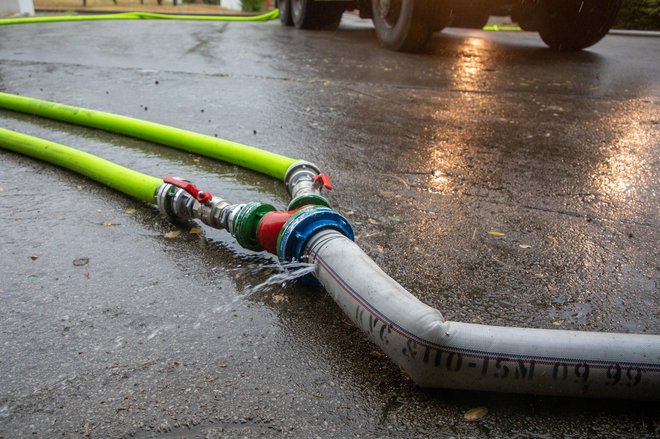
(285, 11)
(296, 9)
(389, 11)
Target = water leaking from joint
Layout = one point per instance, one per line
(284, 273)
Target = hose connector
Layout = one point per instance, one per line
(304, 224)
(245, 222)
(175, 200)
(256, 226)
(304, 181)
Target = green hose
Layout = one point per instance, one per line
(245, 156)
(133, 183)
(272, 15)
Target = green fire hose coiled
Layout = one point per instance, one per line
(133, 183)
(140, 16)
(245, 156)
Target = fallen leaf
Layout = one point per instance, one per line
(373, 221)
(80, 262)
(525, 246)
(475, 413)
(277, 298)
(34, 258)
(557, 322)
(88, 430)
(106, 223)
(99, 210)
(380, 249)
(495, 233)
(130, 210)
(375, 354)
(553, 240)
(172, 234)
(195, 231)
(349, 213)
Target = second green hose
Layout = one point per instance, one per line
(133, 183)
(249, 157)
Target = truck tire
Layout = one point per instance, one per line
(470, 20)
(526, 15)
(316, 15)
(285, 12)
(570, 25)
(406, 25)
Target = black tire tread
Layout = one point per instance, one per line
(413, 29)
(321, 16)
(571, 25)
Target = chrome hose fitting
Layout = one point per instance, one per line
(304, 182)
(211, 213)
(174, 202)
(180, 205)
(298, 179)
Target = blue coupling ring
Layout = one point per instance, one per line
(302, 226)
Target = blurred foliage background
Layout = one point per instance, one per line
(253, 5)
(639, 14)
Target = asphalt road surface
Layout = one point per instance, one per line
(110, 329)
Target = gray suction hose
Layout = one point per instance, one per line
(440, 353)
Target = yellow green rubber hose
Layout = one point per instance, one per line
(133, 183)
(245, 156)
(272, 15)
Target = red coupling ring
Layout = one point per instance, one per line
(269, 229)
(201, 196)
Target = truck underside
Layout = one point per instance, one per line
(407, 25)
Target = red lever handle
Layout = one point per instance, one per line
(201, 196)
(322, 180)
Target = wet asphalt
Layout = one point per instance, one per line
(110, 329)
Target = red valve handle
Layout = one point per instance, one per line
(201, 196)
(322, 180)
